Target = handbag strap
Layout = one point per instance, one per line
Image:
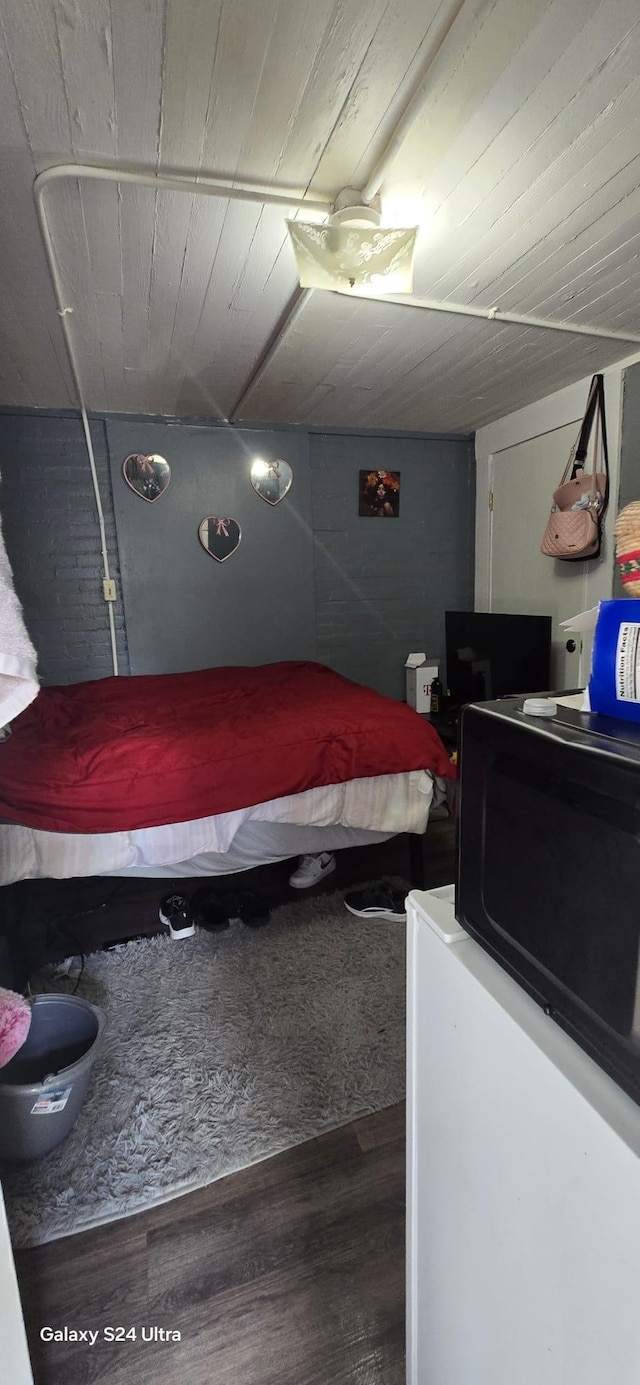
(579, 447)
(595, 410)
(593, 405)
(605, 448)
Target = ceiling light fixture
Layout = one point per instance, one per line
(352, 250)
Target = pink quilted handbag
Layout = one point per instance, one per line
(571, 534)
(573, 528)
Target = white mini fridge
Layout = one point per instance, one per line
(523, 1181)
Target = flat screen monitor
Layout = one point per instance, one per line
(491, 655)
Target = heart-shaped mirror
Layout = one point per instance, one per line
(148, 475)
(271, 480)
(220, 536)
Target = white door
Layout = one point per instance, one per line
(522, 580)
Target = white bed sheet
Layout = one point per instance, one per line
(387, 803)
(257, 844)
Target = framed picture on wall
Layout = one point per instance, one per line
(379, 494)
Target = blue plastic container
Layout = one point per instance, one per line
(614, 686)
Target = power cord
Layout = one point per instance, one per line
(57, 930)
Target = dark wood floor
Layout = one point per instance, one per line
(290, 1272)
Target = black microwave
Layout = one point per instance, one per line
(548, 867)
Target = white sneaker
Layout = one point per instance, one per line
(377, 902)
(311, 869)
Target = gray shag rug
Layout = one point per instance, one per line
(219, 1051)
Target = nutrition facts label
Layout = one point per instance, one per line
(628, 662)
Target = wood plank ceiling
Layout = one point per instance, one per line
(522, 168)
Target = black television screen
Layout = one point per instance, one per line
(491, 655)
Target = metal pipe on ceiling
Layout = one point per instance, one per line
(411, 109)
(207, 187)
(255, 192)
(431, 305)
(295, 307)
(63, 312)
(434, 305)
(413, 105)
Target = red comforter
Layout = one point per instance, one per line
(122, 753)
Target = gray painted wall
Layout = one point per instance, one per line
(183, 609)
(51, 533)
(383, 585)
(629, 485)
(630, 446)
(309, 579)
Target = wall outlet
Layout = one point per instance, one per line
(109, 589)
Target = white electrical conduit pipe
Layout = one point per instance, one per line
(431, 305)
(179, 182)
(411, 110)
(299, 301)
(434, 305)
(294, 309)
(246, 192)
(63, 311)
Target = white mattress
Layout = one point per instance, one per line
(388, 804)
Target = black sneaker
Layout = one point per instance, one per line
(175, 913)
(246, 907)
(208, 910)
(377, 902)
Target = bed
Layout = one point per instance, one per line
(209, 772)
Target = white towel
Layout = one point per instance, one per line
(18, 677)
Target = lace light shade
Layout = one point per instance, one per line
(347, 257)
